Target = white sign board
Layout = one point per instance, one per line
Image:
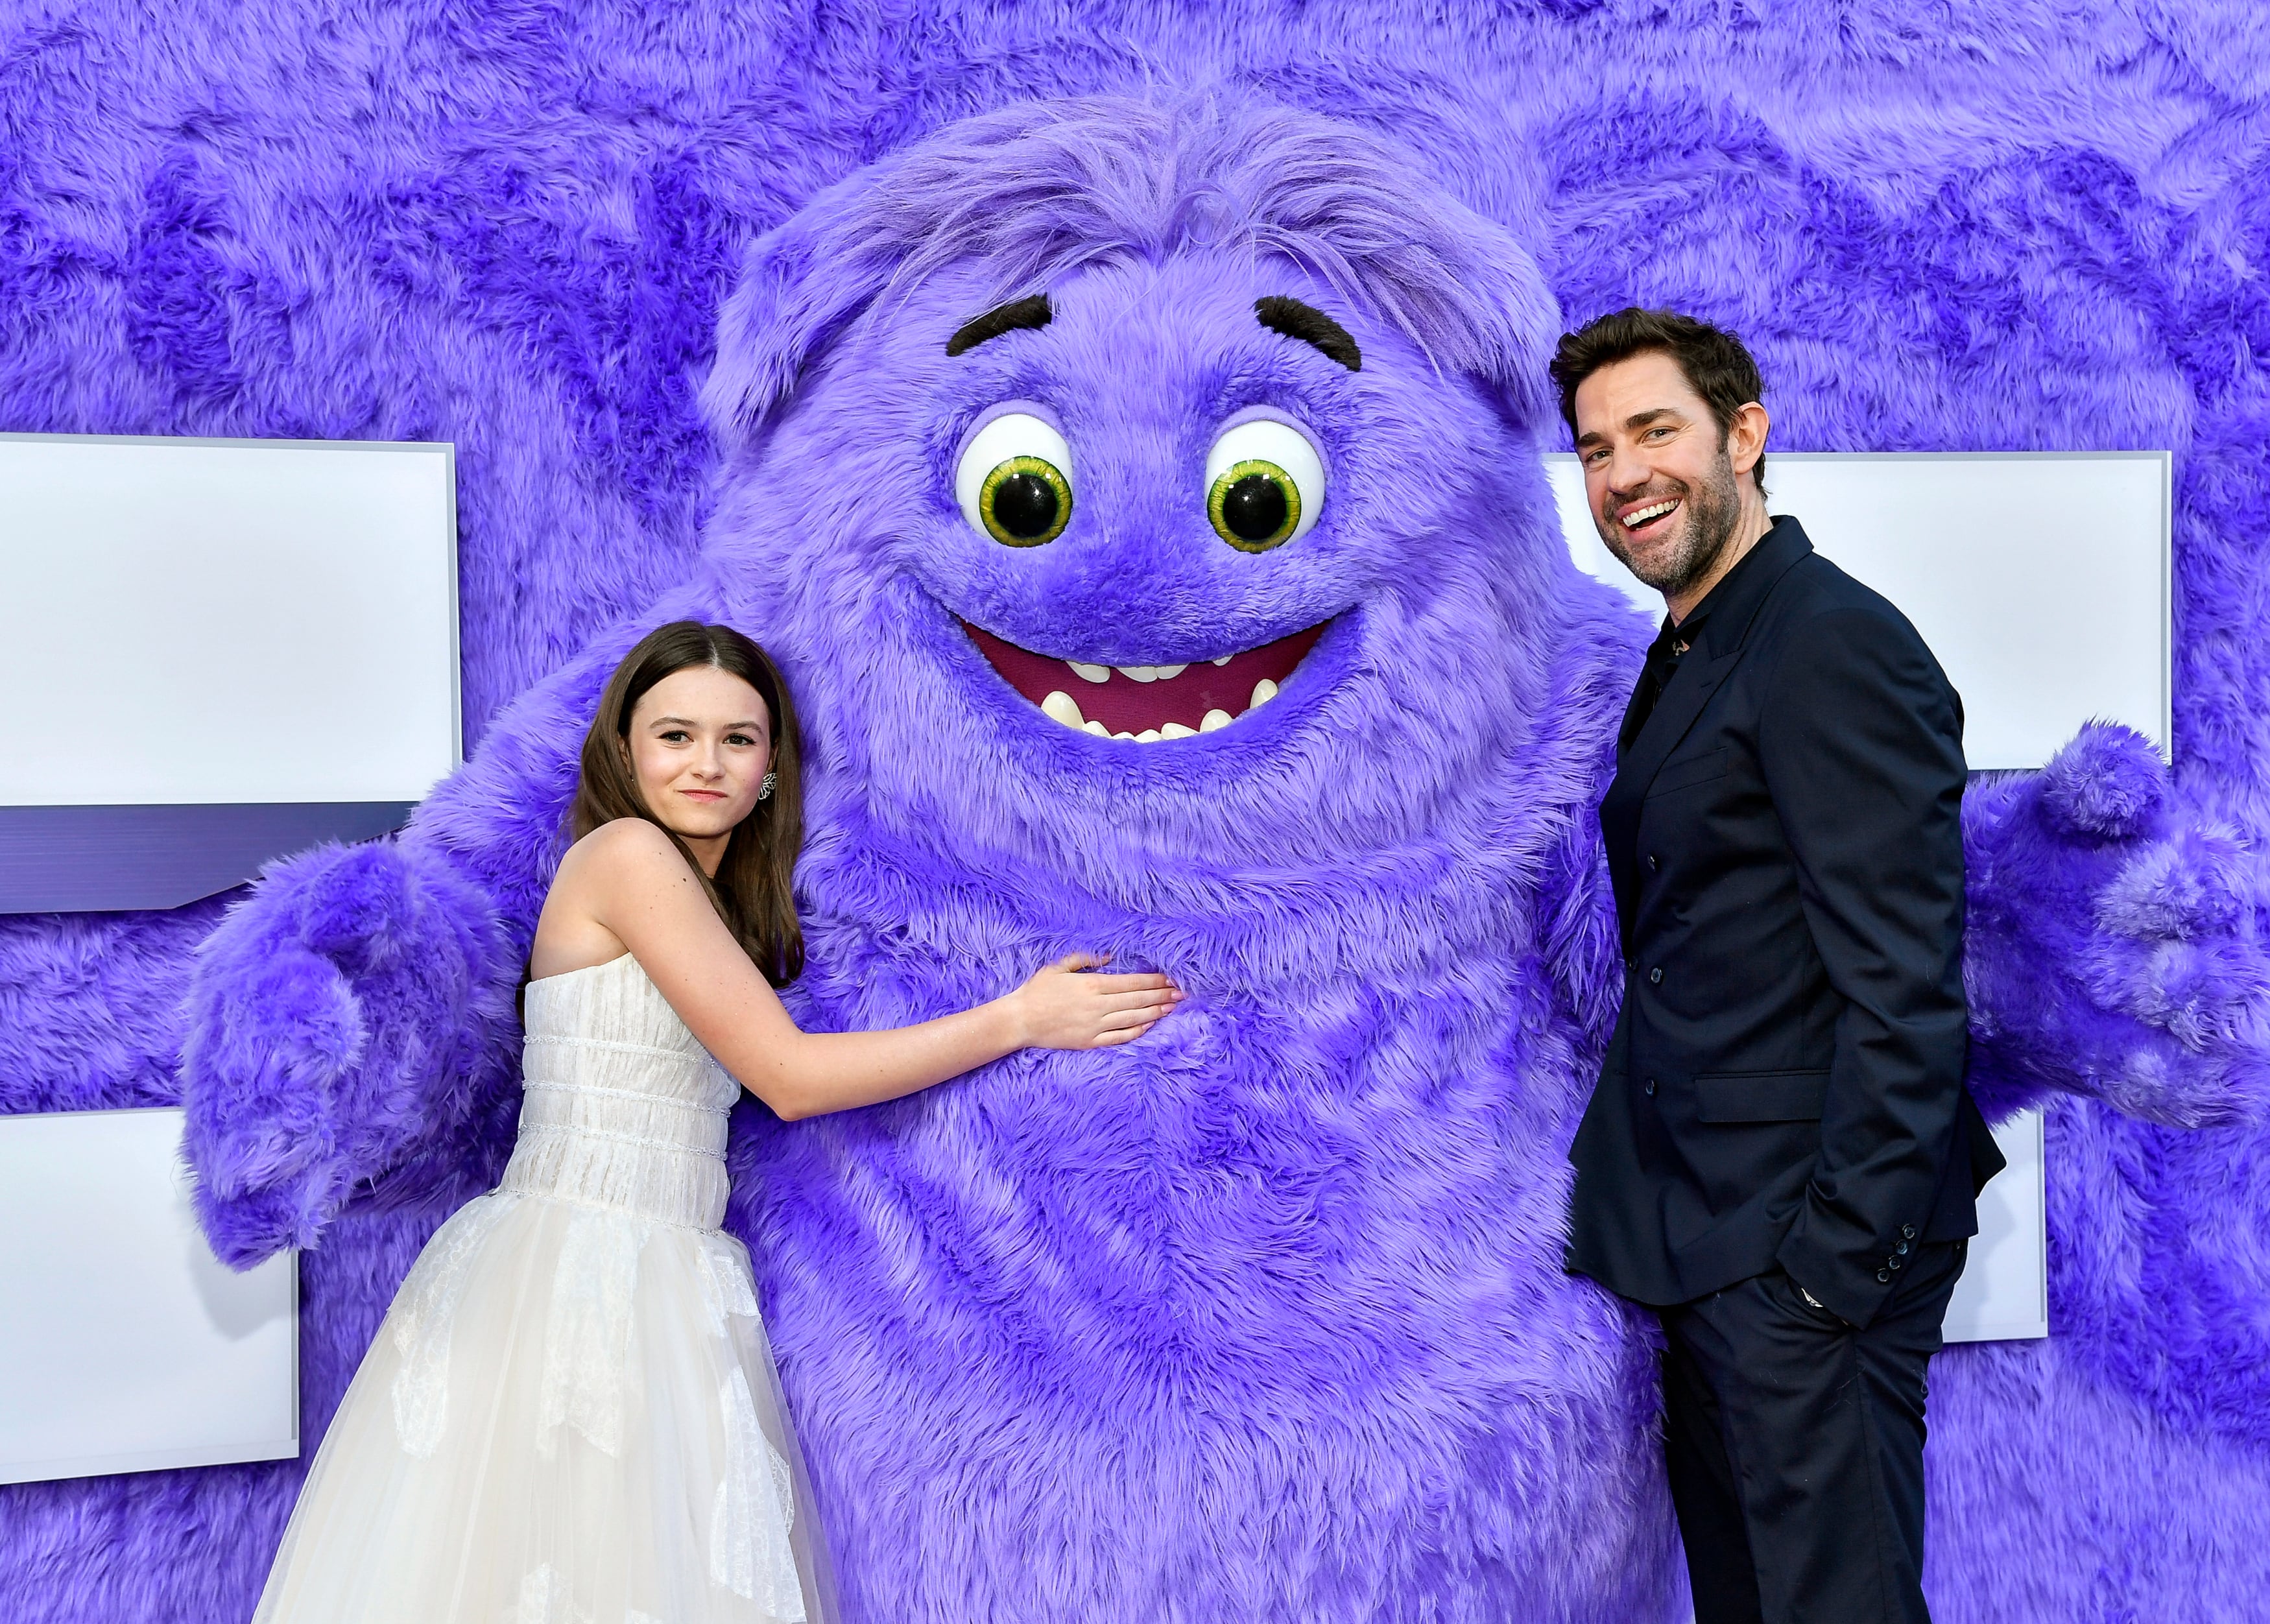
(2004, 1294)
(226, 621)
(125, 1346)
(2039, 579)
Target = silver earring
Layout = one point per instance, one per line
(765, 789)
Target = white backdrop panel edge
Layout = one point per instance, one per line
(2040, 579)
(280, 618)
(125, 1346)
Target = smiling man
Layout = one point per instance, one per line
(1780, 1157)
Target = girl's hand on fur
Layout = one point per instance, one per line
(1068, 1006)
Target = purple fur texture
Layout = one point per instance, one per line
(1259, 1318)
(357, 1034)
(2101, 927)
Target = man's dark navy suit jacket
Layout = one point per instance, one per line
(1785, 1084)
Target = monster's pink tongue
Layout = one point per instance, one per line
(1148, 702)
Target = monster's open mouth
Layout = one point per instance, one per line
(1148, 702)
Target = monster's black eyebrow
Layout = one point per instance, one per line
(1031, 311)
(1309, 325)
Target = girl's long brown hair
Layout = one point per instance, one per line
(754, 891)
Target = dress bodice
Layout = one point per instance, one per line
(571, 1411)
(621, 1106)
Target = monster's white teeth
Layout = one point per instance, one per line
(1061, 706)
(1087, 672)
(1638, 516)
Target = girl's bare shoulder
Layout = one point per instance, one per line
(620, 850)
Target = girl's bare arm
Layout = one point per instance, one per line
(628, 881)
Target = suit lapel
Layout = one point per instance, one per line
(1701, 670)
(1691, 685)
(1689, 689)
(1717, 650)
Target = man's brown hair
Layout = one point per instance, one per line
(1716, 364)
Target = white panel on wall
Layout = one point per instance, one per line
(226, 621)
(2039, 579)
(2004, 1293)
(125, 1346)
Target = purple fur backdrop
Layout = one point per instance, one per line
(1260, 1318)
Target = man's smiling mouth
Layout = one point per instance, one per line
(1147, 703)
(1638, 518)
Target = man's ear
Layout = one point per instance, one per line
(1746, 436)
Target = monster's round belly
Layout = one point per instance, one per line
(1259, 1318)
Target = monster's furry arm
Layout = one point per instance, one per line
(2115, 941)
(359, 999)
(350, 1023)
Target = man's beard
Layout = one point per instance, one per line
(1709, 514)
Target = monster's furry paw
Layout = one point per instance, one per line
(2107, 784)
(355, 1006)
(2118, 942)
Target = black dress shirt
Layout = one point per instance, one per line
(1654, 676)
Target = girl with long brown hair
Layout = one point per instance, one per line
(571, 1412)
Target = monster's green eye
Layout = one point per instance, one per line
(1024, 501)
(1014, 481)
(1254, 505)
(1264, 485)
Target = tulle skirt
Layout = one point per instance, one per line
(570, 1416)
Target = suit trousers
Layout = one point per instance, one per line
(1794, 1444)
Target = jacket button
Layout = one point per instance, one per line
(1885, 1275)
(1655, 977)
(1891, 1262)
(1901, 1249)
(1650, 1088)
(1907, 1232)
(1652, 866)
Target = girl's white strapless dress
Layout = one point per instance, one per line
(570, 1415)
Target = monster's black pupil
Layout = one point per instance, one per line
(1025, 505)
(1254, 508)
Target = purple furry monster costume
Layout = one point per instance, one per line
(1261, 1317)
